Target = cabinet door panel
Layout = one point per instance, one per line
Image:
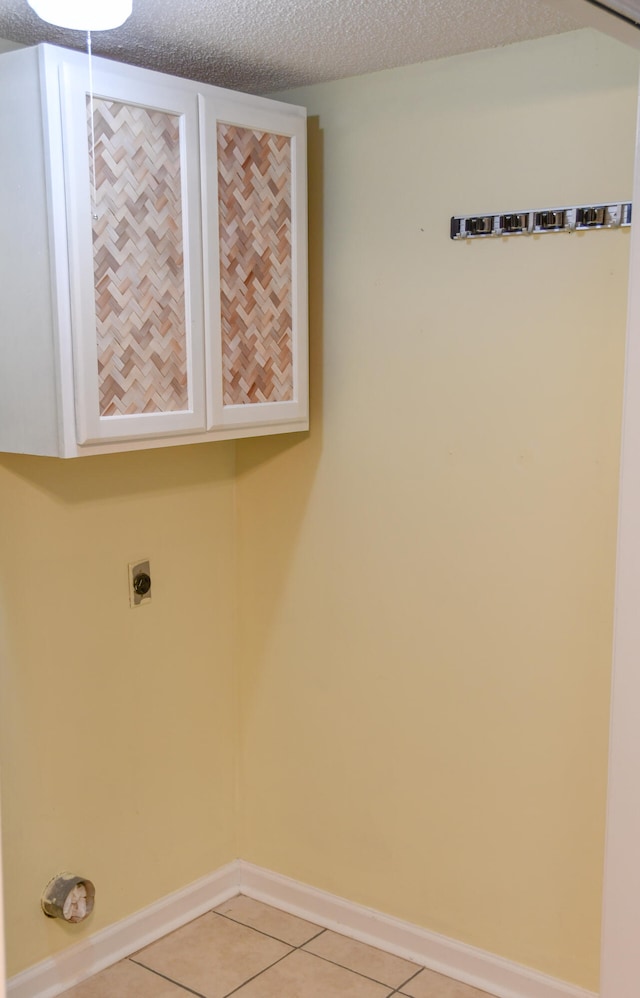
(261, 236)
(135, 259)
(254, 205)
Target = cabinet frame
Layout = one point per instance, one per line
(48, 347)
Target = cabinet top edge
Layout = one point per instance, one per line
(56, 55)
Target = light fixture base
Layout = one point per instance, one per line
(82, 16)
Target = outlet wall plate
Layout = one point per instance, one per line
(139, 582)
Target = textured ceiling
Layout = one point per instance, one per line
(269, 45)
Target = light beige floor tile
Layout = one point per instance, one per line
(274, 922)
(430, 985)
(126, 980)
(302, 975)
(212, 955)
(367, 960)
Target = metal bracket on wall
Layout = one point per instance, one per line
(578, 218)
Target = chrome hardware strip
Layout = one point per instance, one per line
(578, 218)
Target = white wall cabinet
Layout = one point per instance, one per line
(153, 266)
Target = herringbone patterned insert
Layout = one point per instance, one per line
(254, 192)
(138, 261)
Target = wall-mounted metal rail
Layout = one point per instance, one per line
(577, 218)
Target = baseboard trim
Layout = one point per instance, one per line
(58, 973)
(464, 963)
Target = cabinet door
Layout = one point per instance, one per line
(131, 151)
(256, 263)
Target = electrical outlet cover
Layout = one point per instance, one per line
(137, 595)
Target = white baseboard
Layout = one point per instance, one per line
(53, 976)
(467, 964)
(464, 963)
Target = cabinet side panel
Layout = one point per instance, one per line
(28, 409)
(138, 260)
(254, 197)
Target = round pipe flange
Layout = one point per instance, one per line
(68, 897)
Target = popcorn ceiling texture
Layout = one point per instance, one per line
(268, 45)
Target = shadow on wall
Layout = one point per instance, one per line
(275, 476)
(116, 476)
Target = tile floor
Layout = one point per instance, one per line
(251, 950)
(248, 949)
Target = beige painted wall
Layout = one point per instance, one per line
(117, 726)
(426, 580)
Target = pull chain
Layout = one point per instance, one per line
(93, 134)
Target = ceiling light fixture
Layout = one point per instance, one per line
(81, 15)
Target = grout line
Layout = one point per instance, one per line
(267, 934)
(260, 972)
(313, 938)
(293, 949)
(374, 980)
(165, 978)
(301, 948)
(404, 983)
